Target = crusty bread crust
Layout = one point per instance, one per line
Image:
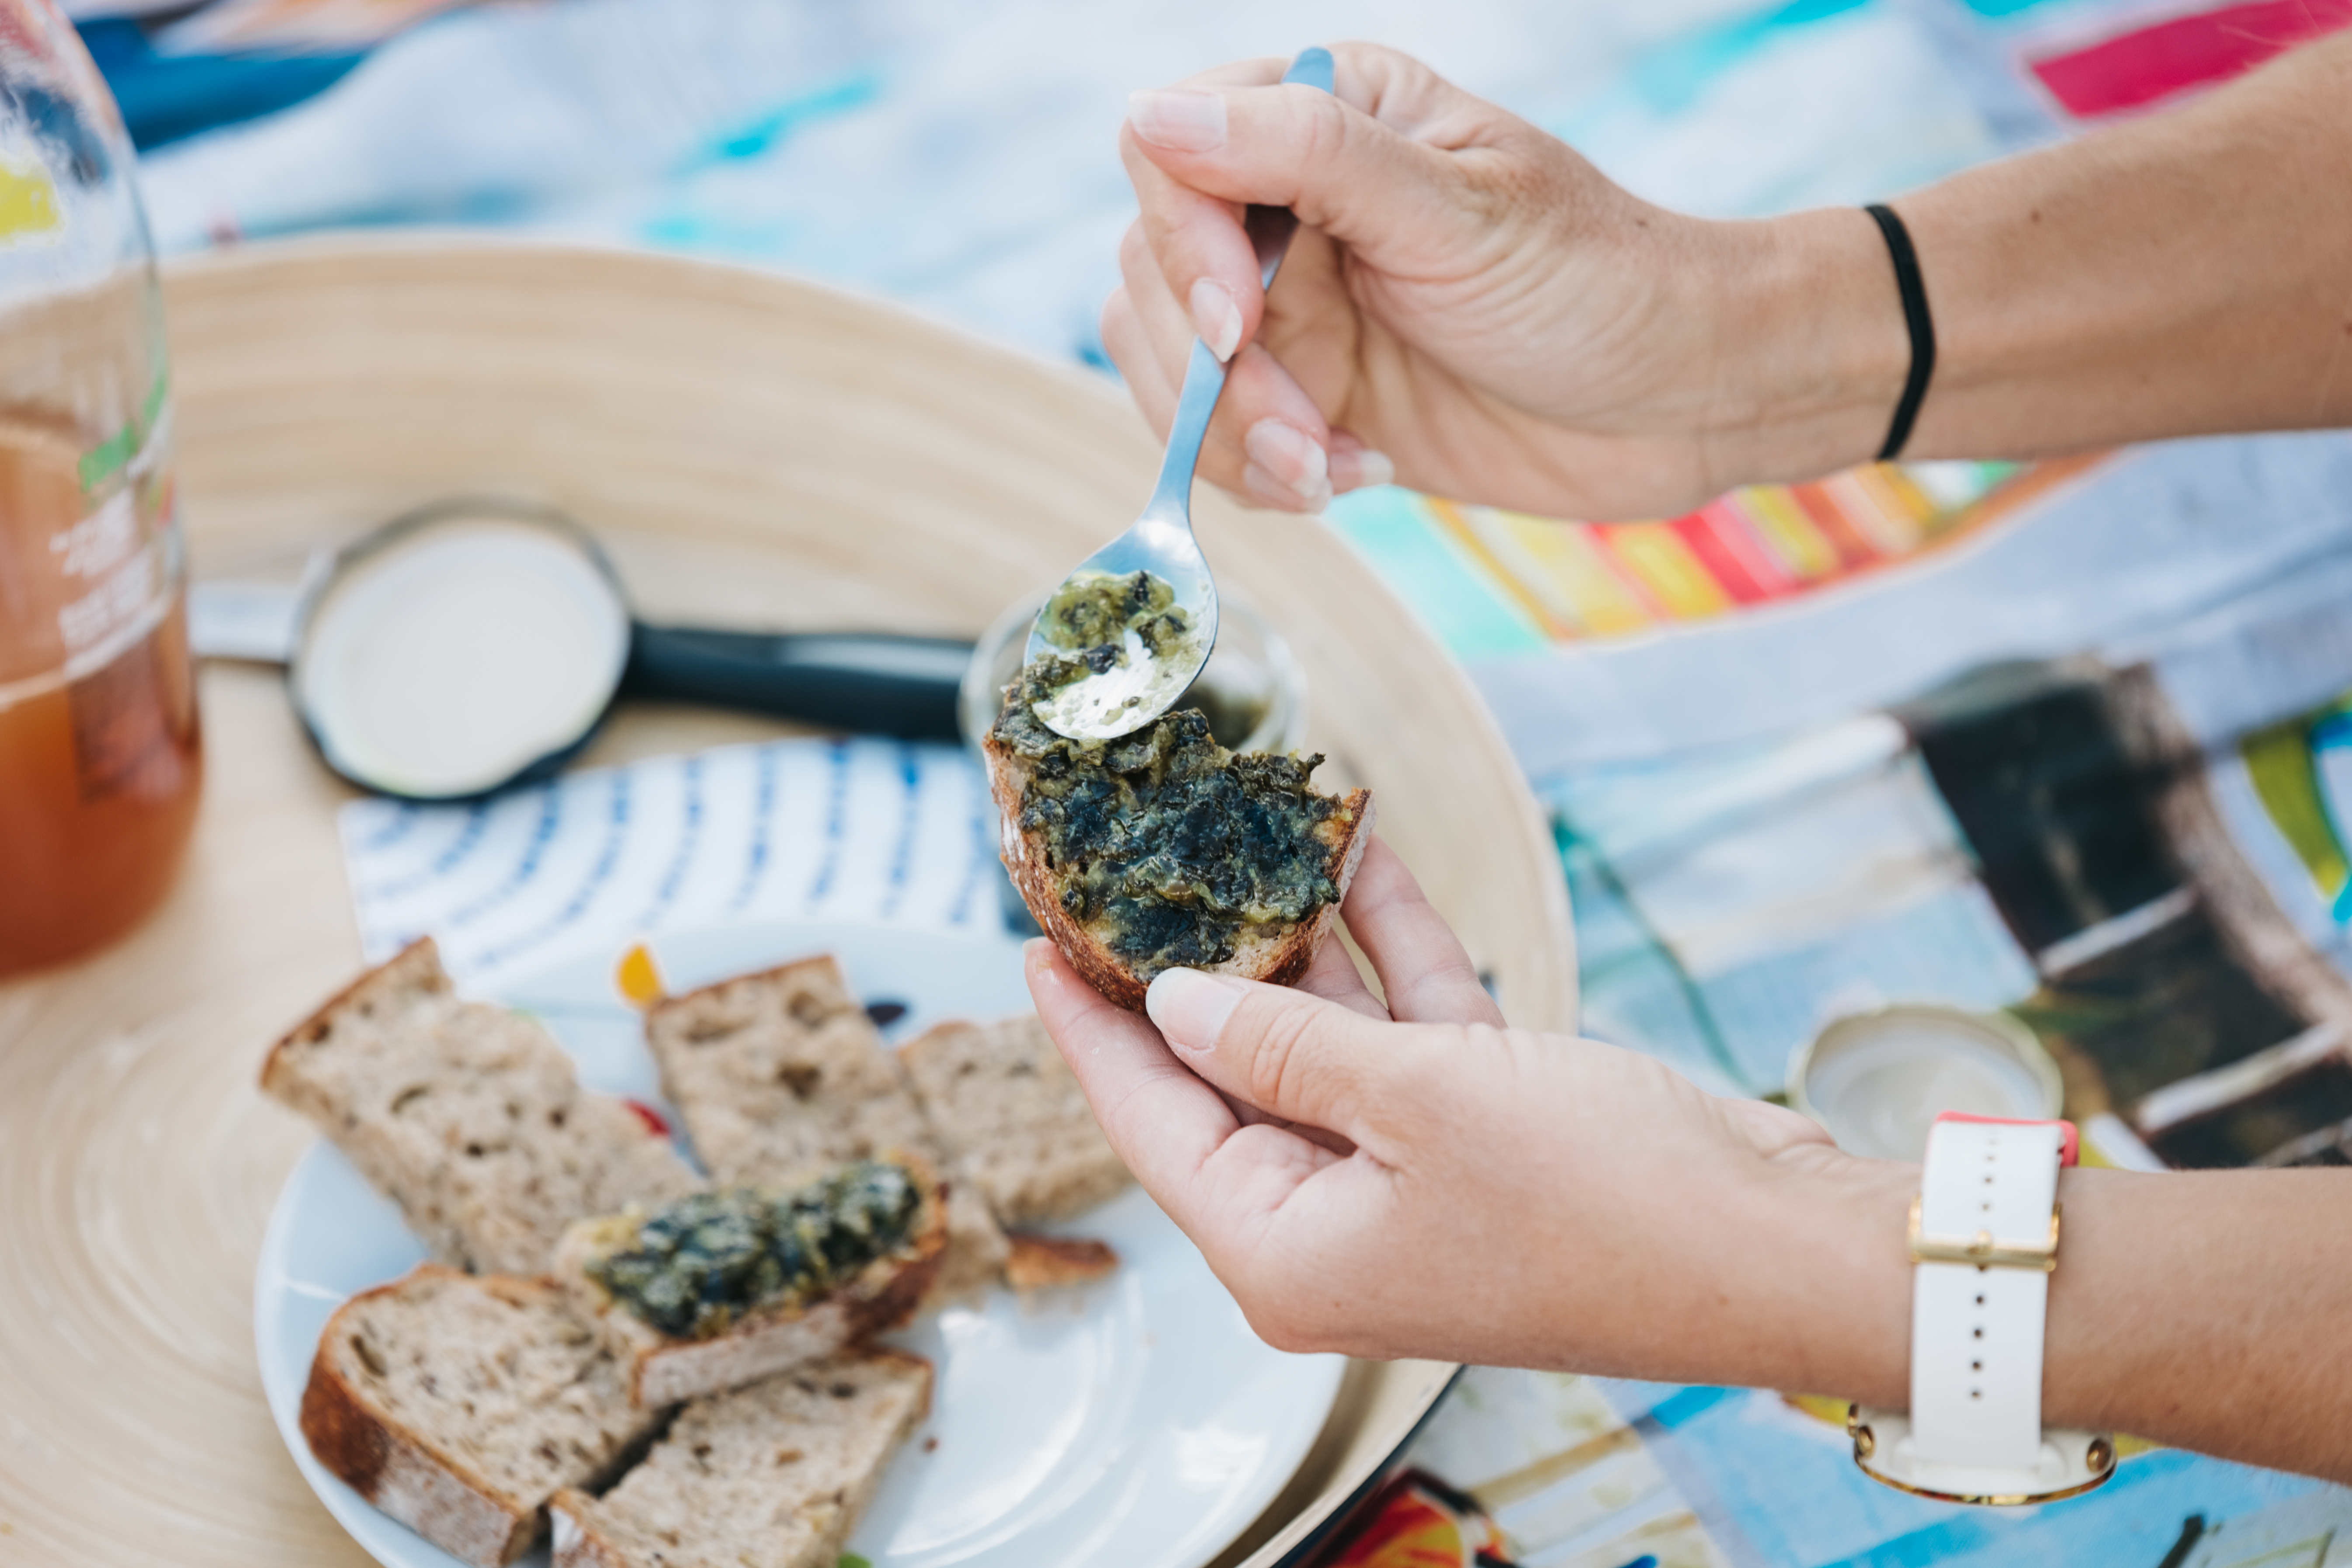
(1277, 964)
(401, 1471)
(416, 967)
(824, 963)
(1046, 1262)
(663, 1371)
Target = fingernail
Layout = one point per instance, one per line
(1190, 1006)
(1293, 457)
(1216, 318)
(1362, 470)
(1178, 119)
(1274, 494)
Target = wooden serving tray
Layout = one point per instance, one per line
(754, 452)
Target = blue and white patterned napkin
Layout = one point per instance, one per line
(852, 829)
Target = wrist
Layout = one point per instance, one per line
(1835, 1227)
(1809, 349)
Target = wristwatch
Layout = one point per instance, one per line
(1984, 1238)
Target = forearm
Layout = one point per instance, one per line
(2199, 1309)
(2184, 274)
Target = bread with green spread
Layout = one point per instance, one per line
(1162, 849)
(774, 1474)
(469, 1116)
(458, 1405)
(723, 1288)
(780, 1076)
(1010, 1119)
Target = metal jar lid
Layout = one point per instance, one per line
(1877, 1080)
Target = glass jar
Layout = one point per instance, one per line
(100, 764)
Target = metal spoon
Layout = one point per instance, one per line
(1128, 696)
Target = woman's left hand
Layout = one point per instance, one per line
(1417, 1179)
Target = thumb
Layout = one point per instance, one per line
(1284, 1052)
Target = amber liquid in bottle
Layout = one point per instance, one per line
(99, 761)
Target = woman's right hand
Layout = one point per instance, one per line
(1471, 308)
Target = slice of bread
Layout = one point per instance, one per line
(466, 1115)
(772, 1476)
(780, 1076)
(662, 1370)
(459, 1405)
(1275, 952)
(1011, 1119)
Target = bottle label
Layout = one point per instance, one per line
(130, 581)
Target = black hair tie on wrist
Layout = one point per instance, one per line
(1914, 290)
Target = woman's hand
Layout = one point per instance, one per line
(1419, 1180)
(1471, 308)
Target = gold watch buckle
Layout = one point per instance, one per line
(1982, 1249)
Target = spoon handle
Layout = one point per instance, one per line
(1269, 230)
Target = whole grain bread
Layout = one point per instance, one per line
(780, 1075)
(1010, 1119)
(1278, 954)
(466, 1115)
(458, 1405)
(662, 1370)
(772, 1476)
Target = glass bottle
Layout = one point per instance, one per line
(100, 764)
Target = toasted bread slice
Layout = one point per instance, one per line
(780, 1076)
(1276, 951)
(774, 1474)
(663, 1369)
(469, 1116)
(459, 1405)
(1011, 1119)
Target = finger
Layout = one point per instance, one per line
(1129, 345)
(1283, 438)
(1267, 441)
(1300, 1056)
(1424, 973)
(1249, 1115)
(1220, 1181)
(1355, 465)
(1163, 1120)
(1221, 274)
(1334, 977)
(1368, 163)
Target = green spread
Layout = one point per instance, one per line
(696, 1265)
(1094, 611)
(1129, 652)
(1165, 845)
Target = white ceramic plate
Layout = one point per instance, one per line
(1137, 1421)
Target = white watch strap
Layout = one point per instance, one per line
(1975, 1329)
(1984, 1238)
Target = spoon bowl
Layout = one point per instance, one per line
(1124, 696)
